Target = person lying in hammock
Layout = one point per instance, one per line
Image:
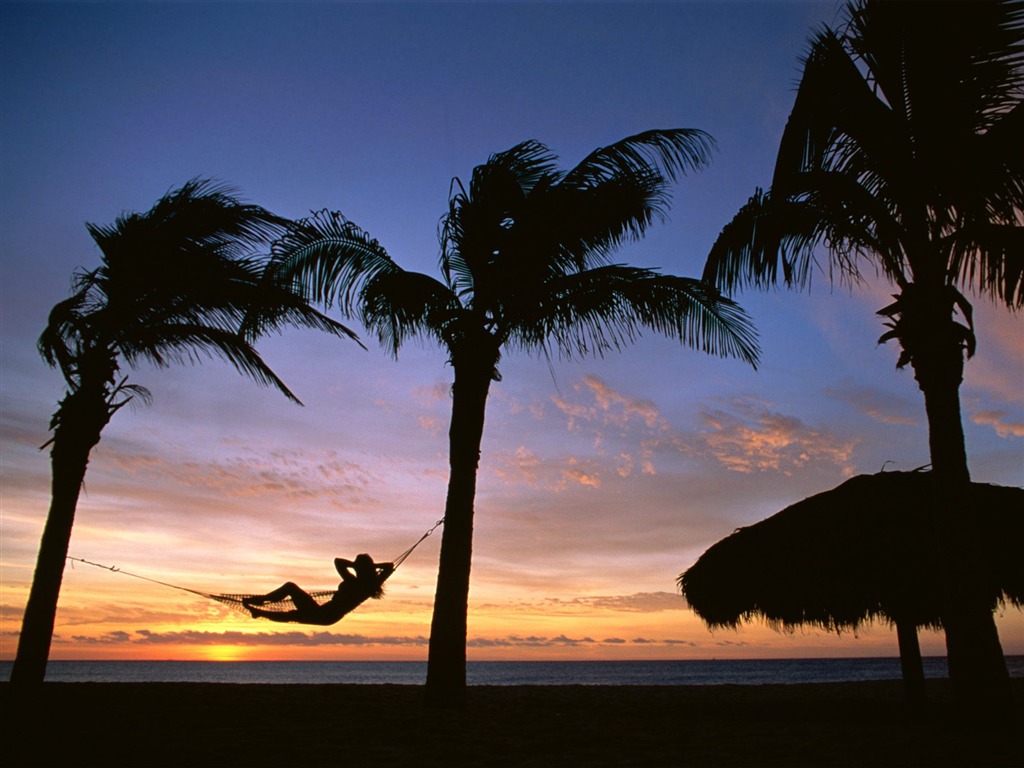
(360, 579)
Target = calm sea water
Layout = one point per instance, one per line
(495, 672)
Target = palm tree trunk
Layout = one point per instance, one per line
(78, 432)
(977, 667)
(910, 663)
(446, 662)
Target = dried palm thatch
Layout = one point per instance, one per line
(859, 552)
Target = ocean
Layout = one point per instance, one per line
(697, 672)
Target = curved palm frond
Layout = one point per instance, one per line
(57, 343)
(174, 343)
(400, 305)
(274, 306)
(528, 163)
(838, 124)
(604, 308)
(990, 259)
(671, 152)
(200, 216)
(330, 257)
(768, 240)
(576, 228)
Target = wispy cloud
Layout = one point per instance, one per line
(749, 437)
(1000, 421)
(252, 472)
(607, 406)
(743, 435)
(532, 641)
(641, 602)
(193, 637)
(526, 467)
(878, 405)
(145, 637)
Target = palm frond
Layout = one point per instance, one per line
(528, 162)
(505, 231)
(201, 215)
(671, 152)
(768, 240)
(330, 257)
(62, 330)
(989, 259)
(604, 308)
(836, 120)
(176, 343)
(275, 305)
(400, 305)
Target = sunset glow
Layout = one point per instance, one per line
(601, 480)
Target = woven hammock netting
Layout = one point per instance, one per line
(322, 597)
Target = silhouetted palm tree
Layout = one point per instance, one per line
(176, 284)
(904, 151)
(525, 265)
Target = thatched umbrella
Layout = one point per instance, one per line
(859, 552)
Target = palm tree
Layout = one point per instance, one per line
(903, 152)
(175, 285)
(524, 266)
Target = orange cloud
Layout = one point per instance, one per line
(878, 405)
(755, 439)
(641, 602)
(619, 407)
(609, 408)
(999, 422)
(524, 466)
(573, 473)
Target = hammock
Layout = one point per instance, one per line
(235, 601)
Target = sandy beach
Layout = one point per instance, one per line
(163, 724)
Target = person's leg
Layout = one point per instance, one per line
(299, 597)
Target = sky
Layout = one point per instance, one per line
(601, 479)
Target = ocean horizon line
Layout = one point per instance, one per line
(515, 672)
(716, 659)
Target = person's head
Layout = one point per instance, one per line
(366, 572)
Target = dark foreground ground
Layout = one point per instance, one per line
(157, 724)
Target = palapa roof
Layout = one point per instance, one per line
(853, 554)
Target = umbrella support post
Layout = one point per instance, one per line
(911, 663)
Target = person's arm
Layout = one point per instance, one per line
(342, 566)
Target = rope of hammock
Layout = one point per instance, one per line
(235, 600)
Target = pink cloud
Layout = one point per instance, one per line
(880, 406)
(999, 421)
(752, 438)
(620, 408)
(607, 407)
(573, 473)
(525, 466)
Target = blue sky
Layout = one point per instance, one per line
(601, 479)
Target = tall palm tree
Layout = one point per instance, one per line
(525, 266)
(903, 152)
(175, 284)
